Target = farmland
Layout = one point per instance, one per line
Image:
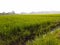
(18, 29)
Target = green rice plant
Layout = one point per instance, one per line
(49, 39)
(16, 29)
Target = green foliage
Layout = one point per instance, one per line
(18, 29)
(49, 39)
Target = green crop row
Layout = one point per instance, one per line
(48, 39)
(18, 29)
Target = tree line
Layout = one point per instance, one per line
(3, 13)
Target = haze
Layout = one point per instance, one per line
(29, 5)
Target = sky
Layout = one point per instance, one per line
(29, 5)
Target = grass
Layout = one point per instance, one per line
(49, 39)
(18, 29)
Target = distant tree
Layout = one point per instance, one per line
(23, 12)
(13, 12)
(33, 12)
(3, 13)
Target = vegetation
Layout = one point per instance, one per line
(48, 39)
(17, 29)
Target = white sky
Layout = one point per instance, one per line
(29, 5)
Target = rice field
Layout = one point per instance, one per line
(18, 29)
